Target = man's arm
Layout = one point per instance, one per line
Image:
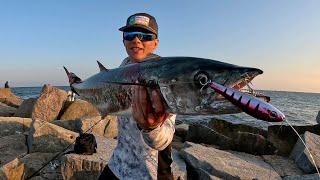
(162, 136)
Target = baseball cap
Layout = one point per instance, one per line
(142, 21)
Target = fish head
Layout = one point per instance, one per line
(185, 90)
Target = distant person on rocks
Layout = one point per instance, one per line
(144, 139)
(6, 85)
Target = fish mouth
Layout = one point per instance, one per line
(244, 81)
(243, 85)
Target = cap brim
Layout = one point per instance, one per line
(137, 27)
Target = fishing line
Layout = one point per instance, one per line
(313, 161)
(278, 132)
(281, 125)
(193, 123)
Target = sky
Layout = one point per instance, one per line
(282, 38)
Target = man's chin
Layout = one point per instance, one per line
(138, 58)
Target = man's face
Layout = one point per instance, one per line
(138, 50)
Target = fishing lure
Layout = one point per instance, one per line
(249, 104)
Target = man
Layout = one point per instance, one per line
(149, 132)
(6, 85)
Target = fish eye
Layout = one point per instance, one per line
(201, 78)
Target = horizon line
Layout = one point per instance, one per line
(291, 91)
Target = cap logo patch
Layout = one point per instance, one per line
(143, 20)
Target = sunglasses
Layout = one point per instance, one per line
(129, 36)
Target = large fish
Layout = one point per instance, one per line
(179, 79)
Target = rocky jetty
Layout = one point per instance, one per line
(6, 111)
(35, 134)
(8, 98)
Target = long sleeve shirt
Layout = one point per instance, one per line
(136, 154)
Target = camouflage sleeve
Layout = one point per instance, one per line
(162, 136)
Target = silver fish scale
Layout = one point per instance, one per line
(110, 99)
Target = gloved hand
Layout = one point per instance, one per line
(148, 113)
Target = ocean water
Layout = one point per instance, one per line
(32, 92)
(300, 108)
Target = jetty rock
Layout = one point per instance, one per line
(25, 109)
(24, 167)
(199, 133)
(14, 125)
(230, 129)
(79, 109)
(47, 137)
(111, 127)
(318, 118)
(88, 167)
(229, 136)
(177, 143)
(11, 147)
(180, 135)
(49, 104)
(12, 170)
(244, 138)
(251, 143)
(178, 166)
(226, 164)
(302, 156)
(303, 177)
(8, 98)
(284, 138)
(181, 130)
(6, 111)
(34, 161)
(107, 127)
(283, 165)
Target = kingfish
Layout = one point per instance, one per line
(181, 81)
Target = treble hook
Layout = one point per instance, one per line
(247, 80)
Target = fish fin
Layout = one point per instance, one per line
(101, 67)
(72, 77)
